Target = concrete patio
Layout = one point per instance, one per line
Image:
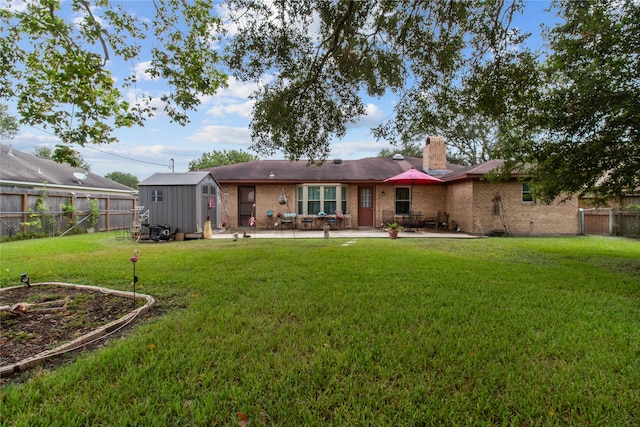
(337, 234)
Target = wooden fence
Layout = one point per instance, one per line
(19, 212)
(610, 222)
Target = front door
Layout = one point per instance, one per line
(365, 206)
(246, 200)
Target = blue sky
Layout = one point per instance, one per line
(221, 122)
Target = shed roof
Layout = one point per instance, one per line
(186, 178)
(22, 169)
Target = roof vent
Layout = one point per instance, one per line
(337, 161)
(398, 156)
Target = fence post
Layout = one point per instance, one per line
(581, 221)
(612, 222)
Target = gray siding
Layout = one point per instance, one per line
(182, 206)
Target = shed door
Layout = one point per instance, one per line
(246, 199)
(209, 205)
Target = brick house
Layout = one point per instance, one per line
(282, 193)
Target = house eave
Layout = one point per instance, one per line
(4, 182)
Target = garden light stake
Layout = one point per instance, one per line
(134, 259)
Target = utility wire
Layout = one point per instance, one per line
(126, 158)
(108, 153)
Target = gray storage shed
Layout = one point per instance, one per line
(181, 201)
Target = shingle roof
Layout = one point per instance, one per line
(361, 170)
(18, 167)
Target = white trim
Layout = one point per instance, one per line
(66, 187)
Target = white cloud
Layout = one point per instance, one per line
(135, 97)
(240, 109)
(234, 99)
(214, 134)
(356, 149)
(140, 71)
(372, 117)
(14, 6)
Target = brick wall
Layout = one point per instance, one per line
(459, 205)
(470, 204)
(428, 199)
(522, 218)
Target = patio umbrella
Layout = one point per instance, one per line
(411, 177)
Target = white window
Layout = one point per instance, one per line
(314, 199)
(156, 196)
(527, 194)
(403, 200)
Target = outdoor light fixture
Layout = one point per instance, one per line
(24, 278)
(272, 175)
(382, 193)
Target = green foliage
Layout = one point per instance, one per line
(124, 178)
(40, 219)
(323, 67)
(221, 158)
(94, 213)
(409, 150)
(579, 130)
(539, 331)
(459, 69)
(54, 59)
(68, 209)
(62, 154)
(66, 154)
(8, 124)
(43, 151)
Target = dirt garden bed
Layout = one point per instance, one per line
(56, 315)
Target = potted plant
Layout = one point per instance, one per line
(393, 230)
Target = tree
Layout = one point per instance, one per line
(471, 137)
(62, 154)
(220, 158)
(326, 55)
(8, 124)
(43, 151)
(579, 131)
(124, 179)
(413, 150)
(55, 63)
(569, 114)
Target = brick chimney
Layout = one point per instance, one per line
(434, 156)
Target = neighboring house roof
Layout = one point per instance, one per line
(186, 178)
(25, 170)
(361, 170)
(475, 171)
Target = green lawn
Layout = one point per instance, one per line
(515, 331)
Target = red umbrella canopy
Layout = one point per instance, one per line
(413, 176)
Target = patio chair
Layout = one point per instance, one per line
(433, 223)
(443, 221)
(388, 217)
(288, 220)
(412, 221)
(334, 221)
(121, 233)
(307, 222)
